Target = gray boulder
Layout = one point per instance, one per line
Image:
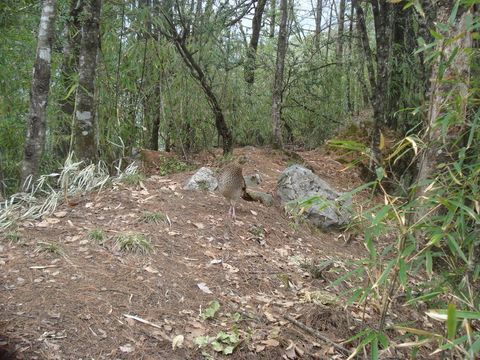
(326, 210)
(253, 180)
(203, 179)
(262, 197)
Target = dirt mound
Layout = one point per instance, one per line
(69, 291)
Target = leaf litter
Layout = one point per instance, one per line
(208, 287)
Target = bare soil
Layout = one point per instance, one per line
(64, 295)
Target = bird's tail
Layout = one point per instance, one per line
(247, 196)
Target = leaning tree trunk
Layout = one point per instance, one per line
(85, 125)
(71, 54)
(37, 117)
(199, 75)
(278, 84)
(450, 77)
(252, 48)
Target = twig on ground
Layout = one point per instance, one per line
(316, 334)
(139, 319)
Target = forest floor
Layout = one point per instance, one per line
(64, 295)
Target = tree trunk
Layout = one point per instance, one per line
(85, 123)
(37, 118)
(252, 49)
(318, 24)
(279, 70)
(450, 76)
(398, 49)
(380, 16)
(199, 75)
(378, 81)
(71, 53)
(2, 179)
(329, 29)
(158, 99)
(341, 22)
(273, 13)
(360, 41)
(350, 104)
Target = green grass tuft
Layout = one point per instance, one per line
(13, 237)
(153, 217)
(98, 235)
(132, 179)
(133, 242)
(51, 248)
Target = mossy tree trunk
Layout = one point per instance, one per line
(37, 114)
(69, 68)
(85, 110)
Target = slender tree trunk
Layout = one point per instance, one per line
(273, 13)
(2, 179)
(158, 116)
(378, 80)
(329, 29)
(85, 122)
(380, 15)
(318, 24)
(119, 60)
(252, 48)
(279, 70)
(396, 84)
(361, 40)
(37, 117)
(341, 22)
(71, 53)
(350, 103)
(450, 77)
(145, 88)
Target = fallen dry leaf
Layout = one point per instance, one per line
(230, 268)
(269, 316)
(127, 348)
(177, 341)
(271, 342)
(210, 254)
(202, 286)
(60, 214)
(259, 348)
(150, 270)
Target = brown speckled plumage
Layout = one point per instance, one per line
(231, 185)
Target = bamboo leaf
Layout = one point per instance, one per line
(453, 15)
(451, 322)
(402, 272)
(417, 331)
(381, 146)
(429, 263)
